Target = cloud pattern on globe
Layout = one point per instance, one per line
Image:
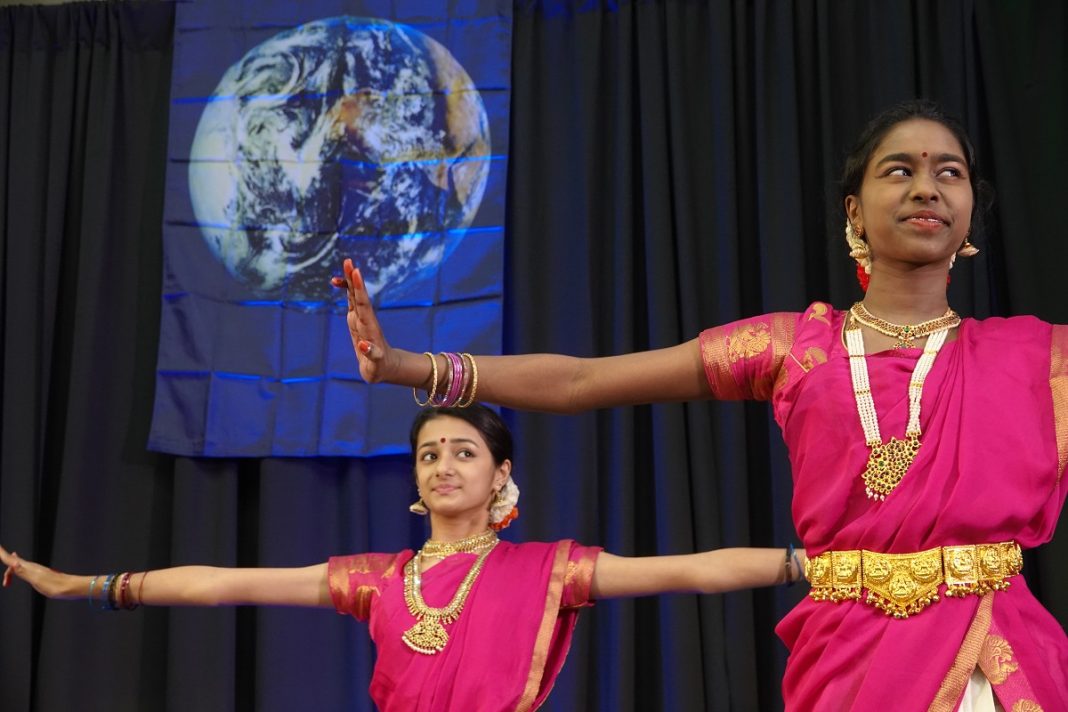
(343, 137)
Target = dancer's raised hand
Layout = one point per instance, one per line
(377, 360)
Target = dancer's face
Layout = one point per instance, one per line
(455, 470)
(915, 203)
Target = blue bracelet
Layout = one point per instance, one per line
(797, 565)
(790, 557)
(91, 585)
(105, 590)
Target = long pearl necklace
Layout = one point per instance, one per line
(888, 462)
(428, 635)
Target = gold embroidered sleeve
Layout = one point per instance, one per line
(355, 581)
(578, 576)
(743, 360)
(1058, 383)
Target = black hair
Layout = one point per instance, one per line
(856, 162)
(489, 425)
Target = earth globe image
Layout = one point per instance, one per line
(343, 137)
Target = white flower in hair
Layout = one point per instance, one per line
(504, 503)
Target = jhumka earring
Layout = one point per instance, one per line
(418, 508)
(968, 249)
(859, 251)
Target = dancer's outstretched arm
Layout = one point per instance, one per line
(183, 585)
(714, 571)
(542, 382)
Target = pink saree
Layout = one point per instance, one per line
(995, 445)
(507, 647)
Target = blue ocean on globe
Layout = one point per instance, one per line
(343, 137)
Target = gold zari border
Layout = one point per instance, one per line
(1058, 384)
(545, 631)
(904, 584)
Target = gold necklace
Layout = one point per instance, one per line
(471, 545)
(904, 333)
(428, 635)
(888, 462)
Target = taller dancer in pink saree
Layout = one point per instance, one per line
(468, 623)
(995, 415)
(926, 451)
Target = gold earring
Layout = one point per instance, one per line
(418, 508)
(968, 249)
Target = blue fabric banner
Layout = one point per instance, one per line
(301, 134)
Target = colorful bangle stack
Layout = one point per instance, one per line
(114, 592)
(455, 379)
(460, 386)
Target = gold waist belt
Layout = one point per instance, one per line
(904, 584)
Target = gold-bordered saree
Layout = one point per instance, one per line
(994, 448)
(508, 645)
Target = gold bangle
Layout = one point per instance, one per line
(474, 381)
(433, 391)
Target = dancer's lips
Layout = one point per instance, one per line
(926, 218)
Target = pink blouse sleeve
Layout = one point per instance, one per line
(355, 581)
(744, 359)
(579, 576)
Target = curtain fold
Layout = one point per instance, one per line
(672, 167)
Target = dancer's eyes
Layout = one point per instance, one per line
(462, 454)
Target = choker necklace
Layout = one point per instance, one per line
(428, 635)
(904, 333)
(889, 461)
(475, 544)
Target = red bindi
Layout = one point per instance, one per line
(924, 154)
(443, 440)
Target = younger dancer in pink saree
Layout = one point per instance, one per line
(926, 450)
(505, 651)
(507, 645)
(468, 623)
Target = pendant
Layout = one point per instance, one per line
(887, 464)
(427, 636)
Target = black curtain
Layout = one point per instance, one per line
(672, 167)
